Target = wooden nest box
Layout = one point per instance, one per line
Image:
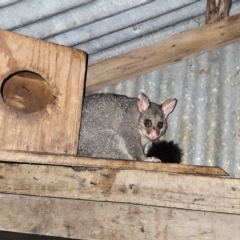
(42, 88)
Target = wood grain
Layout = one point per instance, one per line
(100, 220)
(126, 186)
(61, 160)
(217, 10)
(163, 53)
(55, 128)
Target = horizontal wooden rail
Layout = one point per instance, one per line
(166, 52)
(62, 160)
(156, 188)
(98, 220)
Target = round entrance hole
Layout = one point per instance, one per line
(26, 92)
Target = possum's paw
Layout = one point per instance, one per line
(152, 159)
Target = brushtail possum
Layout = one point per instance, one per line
(118, 127)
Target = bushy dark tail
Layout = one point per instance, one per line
(168, 152)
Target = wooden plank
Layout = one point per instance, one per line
(163, 53)
(217, 10)
(125, 186)
(61, 70)
(100, 220)
(61, 160)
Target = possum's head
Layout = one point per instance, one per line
(153, 117)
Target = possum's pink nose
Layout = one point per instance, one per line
(153, 134)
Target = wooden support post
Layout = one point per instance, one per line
(217, 10)
(163, 53)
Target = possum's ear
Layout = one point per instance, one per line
(143, 103)
(168, 106)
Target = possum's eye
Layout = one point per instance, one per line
(160, 125)
(147, 123)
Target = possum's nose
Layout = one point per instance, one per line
(153, 134)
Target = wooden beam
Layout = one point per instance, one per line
(63, 160)
(217, 10)
(99, 220)
(126, 186)
(166, 52)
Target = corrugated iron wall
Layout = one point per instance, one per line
(206, 121)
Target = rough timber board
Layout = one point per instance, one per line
(99, 220)
(26, 157)
(125, 186)
(54, 129)
(164, 53)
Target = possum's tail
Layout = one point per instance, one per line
(168, 152)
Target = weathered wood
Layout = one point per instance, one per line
(163, 53)
(99, 220)
(126, 186)
(55, 128)
(26, 157)
(217, 10)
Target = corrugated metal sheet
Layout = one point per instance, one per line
(206, 121)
